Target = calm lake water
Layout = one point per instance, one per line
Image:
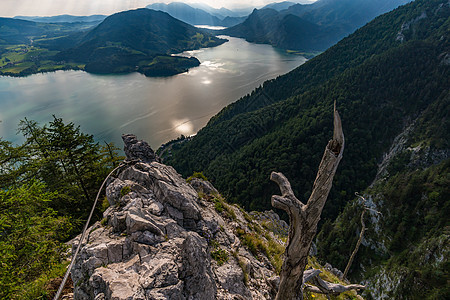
(155, 109)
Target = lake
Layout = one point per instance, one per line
(155, 109)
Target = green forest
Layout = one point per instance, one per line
(386, 77)
(47, 187)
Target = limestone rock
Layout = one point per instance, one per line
(160, 238)
(137, 150)
(202, 186)
(136, 223)
(196, 271)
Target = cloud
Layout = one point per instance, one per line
(10, 8)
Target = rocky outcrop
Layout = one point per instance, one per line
(137, 149)
(407, 26)
(160, 240)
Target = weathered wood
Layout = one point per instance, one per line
(304, 217)
(361, 235)
(323, 287)
(334, 288)
(308, 275)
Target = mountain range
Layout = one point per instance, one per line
(283, 5)
(119, 43)
(390, 80)
(198, 15)
(63, 18)
(224, 12)
(16, 31)
(310, 27)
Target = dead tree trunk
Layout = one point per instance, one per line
(350, 261)
(361, 235)
(304, 217)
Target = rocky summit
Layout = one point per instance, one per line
(165, 238)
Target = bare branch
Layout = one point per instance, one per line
(361, 235)
(338, 133)
(287, 198)
(334, 288)
(308, 275)
(281, 203)
(323, 287)
(350, 261)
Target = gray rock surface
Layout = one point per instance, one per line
(203, 186)
(137, 149)
(157, 238)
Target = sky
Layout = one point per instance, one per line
(11, 8)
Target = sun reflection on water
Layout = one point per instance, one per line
(184, 127)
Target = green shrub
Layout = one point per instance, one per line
(220, 255)
(218, 205)
(230, 212)
(105, 204)
(247, 217)
(125, 190)
(196, 175)
(269, 248)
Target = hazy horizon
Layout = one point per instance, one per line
(12, 8)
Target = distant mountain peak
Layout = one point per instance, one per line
(334, 19)
(199, 14)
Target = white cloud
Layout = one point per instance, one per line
(10, 8)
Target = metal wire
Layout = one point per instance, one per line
(66, 276)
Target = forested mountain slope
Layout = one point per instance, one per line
(348, 13)
(382, 77)
(312, 27)
(138, 40)
(391, 82)
(143, 30)
(282, 30)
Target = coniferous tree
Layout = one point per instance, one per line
(31, 237)
(67, 160)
